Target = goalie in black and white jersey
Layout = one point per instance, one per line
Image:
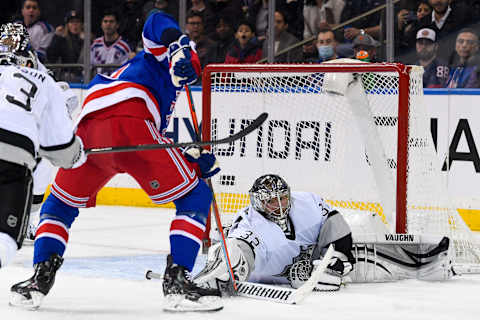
(277, 238)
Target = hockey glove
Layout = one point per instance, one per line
(81, 157)
(339, 265)
(182, 70)
(206, 161)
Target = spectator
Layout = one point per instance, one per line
(293, 13)
(245, 48)
(310, 52)
(445, 20)
(132, 22)
(435, 70)
(230, 9)
(283, 39)
(66, 46)
(423, 9)
(408, 24)
(326, 45)
(337, 8)
(366, 25)
(224, 37)
(110, 48)
(465, 62)
(257, 14)
(158, 6)
(41, 32)
(204, 46)
(365, 48)
(317, 14)
(208, 16)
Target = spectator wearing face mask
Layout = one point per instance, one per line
(435, 69)
(326, 45)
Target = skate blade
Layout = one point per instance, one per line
(178, 303)
(18, 300)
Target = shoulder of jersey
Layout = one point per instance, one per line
(35, 73)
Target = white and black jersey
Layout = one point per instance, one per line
(275, 251)
(34, 115)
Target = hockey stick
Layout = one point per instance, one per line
(214, 201)
(242, 133)
(275, 293)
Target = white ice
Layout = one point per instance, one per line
(110, 248)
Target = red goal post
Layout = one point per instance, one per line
(368, 152)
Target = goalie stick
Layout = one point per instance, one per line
(271, 292)
(242, 133)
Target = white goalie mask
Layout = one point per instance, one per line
(270, 195)
(15, 48)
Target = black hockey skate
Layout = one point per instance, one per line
(30, 293)
(182, 294)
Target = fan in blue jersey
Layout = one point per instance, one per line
(133, 106)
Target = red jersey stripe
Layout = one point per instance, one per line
(109, 90)
(180, 224)
(52, 228)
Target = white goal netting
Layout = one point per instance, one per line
(338, 146)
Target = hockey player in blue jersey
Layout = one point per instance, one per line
(133, 106)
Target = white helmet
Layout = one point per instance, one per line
(270, 195)
(15, 48)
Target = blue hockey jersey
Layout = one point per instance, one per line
(146, 76)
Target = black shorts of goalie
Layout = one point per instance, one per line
(16, 194)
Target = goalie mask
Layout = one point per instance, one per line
(15, 48)
(270, 195)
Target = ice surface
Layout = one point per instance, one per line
(110, 248)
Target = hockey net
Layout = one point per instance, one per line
(374, 161)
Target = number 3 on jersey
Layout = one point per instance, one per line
(30, 94)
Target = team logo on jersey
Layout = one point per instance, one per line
(304, 255)
(154, 184)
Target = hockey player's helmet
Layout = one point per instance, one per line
(270, 195)
(15, 48)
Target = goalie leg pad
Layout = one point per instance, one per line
(16, 190)
(391, 262)
(216, 275)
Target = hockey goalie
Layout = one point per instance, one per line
(279, 237)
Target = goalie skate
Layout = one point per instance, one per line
(183, 295)
(29, 294)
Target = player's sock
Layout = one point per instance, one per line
(186, 236)
(52, 234)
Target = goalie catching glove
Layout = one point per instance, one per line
(206, 164)
(216, 275)
(184, 63)
(330, 280)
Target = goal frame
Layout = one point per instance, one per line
(403, 72)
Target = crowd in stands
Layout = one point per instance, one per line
(440, 35)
